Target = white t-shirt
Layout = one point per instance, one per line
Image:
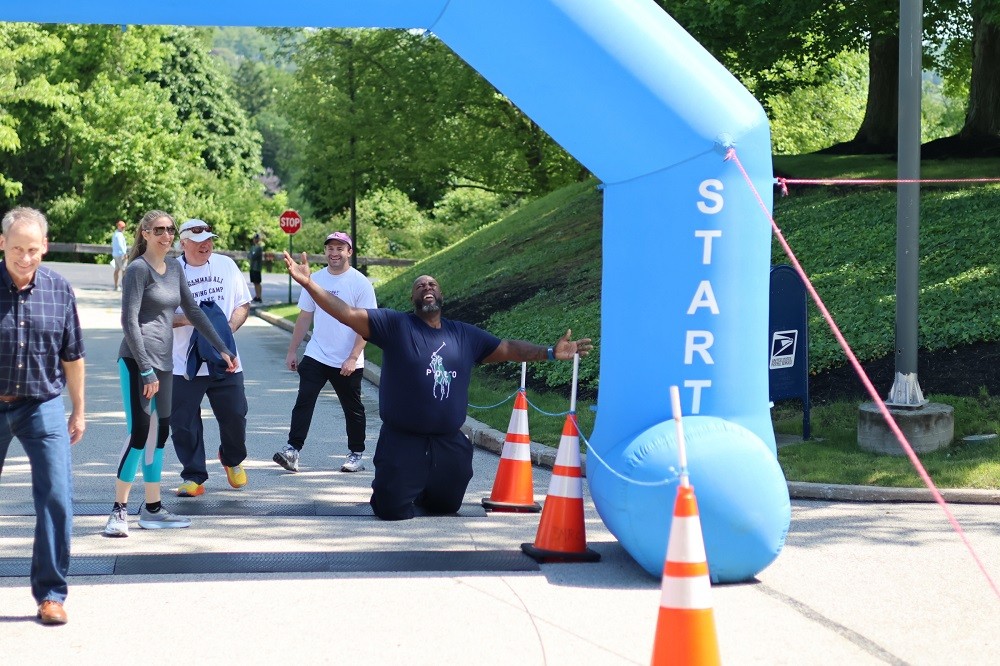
(219, 280)
(331, 342)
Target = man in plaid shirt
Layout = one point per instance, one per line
(41, 351)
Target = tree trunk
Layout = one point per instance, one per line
(880, 126)
(983, 119)
(980, 137)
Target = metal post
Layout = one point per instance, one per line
(292, 255)
(905, 390)
(353, 155)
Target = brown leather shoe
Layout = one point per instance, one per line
(51, 612)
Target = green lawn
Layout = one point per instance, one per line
(832, 454)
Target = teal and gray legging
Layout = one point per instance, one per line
(143, 446)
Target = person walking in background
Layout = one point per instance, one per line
(119, 249)
(152, 288)
(41, 352)
(334, 354)
(217, 285)
(422, 457)
(256, 257)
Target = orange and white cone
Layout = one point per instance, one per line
(561, 535)
(513, 489)
(685, 630)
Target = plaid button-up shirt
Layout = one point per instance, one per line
(39, 328)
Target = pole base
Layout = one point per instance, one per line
(542, 555)
(510, 507)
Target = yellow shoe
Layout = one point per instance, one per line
(190, 489)
(236, 475)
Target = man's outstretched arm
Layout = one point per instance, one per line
(354, 318)
(522, 350)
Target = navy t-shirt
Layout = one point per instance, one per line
(425, 370)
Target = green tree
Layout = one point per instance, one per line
(395, 109)
(204, 101)
(975, 48)
(775, 47)
(115, 143)
(810, 118)
(25, 89)
(261, 89)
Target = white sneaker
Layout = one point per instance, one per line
(353, 463)
(117, 525)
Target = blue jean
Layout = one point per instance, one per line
(41, 429)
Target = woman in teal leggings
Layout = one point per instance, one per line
(152, 289)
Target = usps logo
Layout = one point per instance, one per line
(783, 349)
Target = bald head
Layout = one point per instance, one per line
(426, 295)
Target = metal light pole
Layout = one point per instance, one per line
(354, 177)
(352, 149)
(905, 390)
(926, 426)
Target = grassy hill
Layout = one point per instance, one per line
(845, 239)
(538, 271)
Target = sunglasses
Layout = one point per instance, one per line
(159, 231)
(198, 230)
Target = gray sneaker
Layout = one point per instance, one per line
(117, 525)
(353, 463)
(288, 458)
(162, 519)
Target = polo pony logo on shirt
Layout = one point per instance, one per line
(442, 377)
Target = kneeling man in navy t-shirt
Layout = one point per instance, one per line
(422, 457)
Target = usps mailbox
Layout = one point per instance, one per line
(788, 359)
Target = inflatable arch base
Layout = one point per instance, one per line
(741, 491)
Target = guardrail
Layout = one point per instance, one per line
(87, 248)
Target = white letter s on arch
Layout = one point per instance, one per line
(709, 189)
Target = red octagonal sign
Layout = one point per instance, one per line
(290, 221)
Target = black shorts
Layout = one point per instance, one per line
(254, 277)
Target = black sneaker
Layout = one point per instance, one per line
(288, 458)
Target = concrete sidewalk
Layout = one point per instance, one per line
(856, 583)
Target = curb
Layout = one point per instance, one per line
(836, 493)
(491, 439)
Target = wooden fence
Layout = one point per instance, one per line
(86, 248)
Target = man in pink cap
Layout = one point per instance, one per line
(334, 354)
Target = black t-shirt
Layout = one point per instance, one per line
(426, 371)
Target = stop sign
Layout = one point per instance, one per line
(290, 221)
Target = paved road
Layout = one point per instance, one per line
(857, 583)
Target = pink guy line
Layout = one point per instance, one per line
(785, 182)
(731, 155)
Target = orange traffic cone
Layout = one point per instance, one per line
(513, 489)
(685, 630)
(561, 533)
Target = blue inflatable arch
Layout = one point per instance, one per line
(686, 247)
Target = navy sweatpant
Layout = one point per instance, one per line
(431, 471)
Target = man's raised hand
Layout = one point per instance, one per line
(299, 272)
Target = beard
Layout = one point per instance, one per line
(428, 308)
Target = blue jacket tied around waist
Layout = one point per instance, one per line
(201, 350)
